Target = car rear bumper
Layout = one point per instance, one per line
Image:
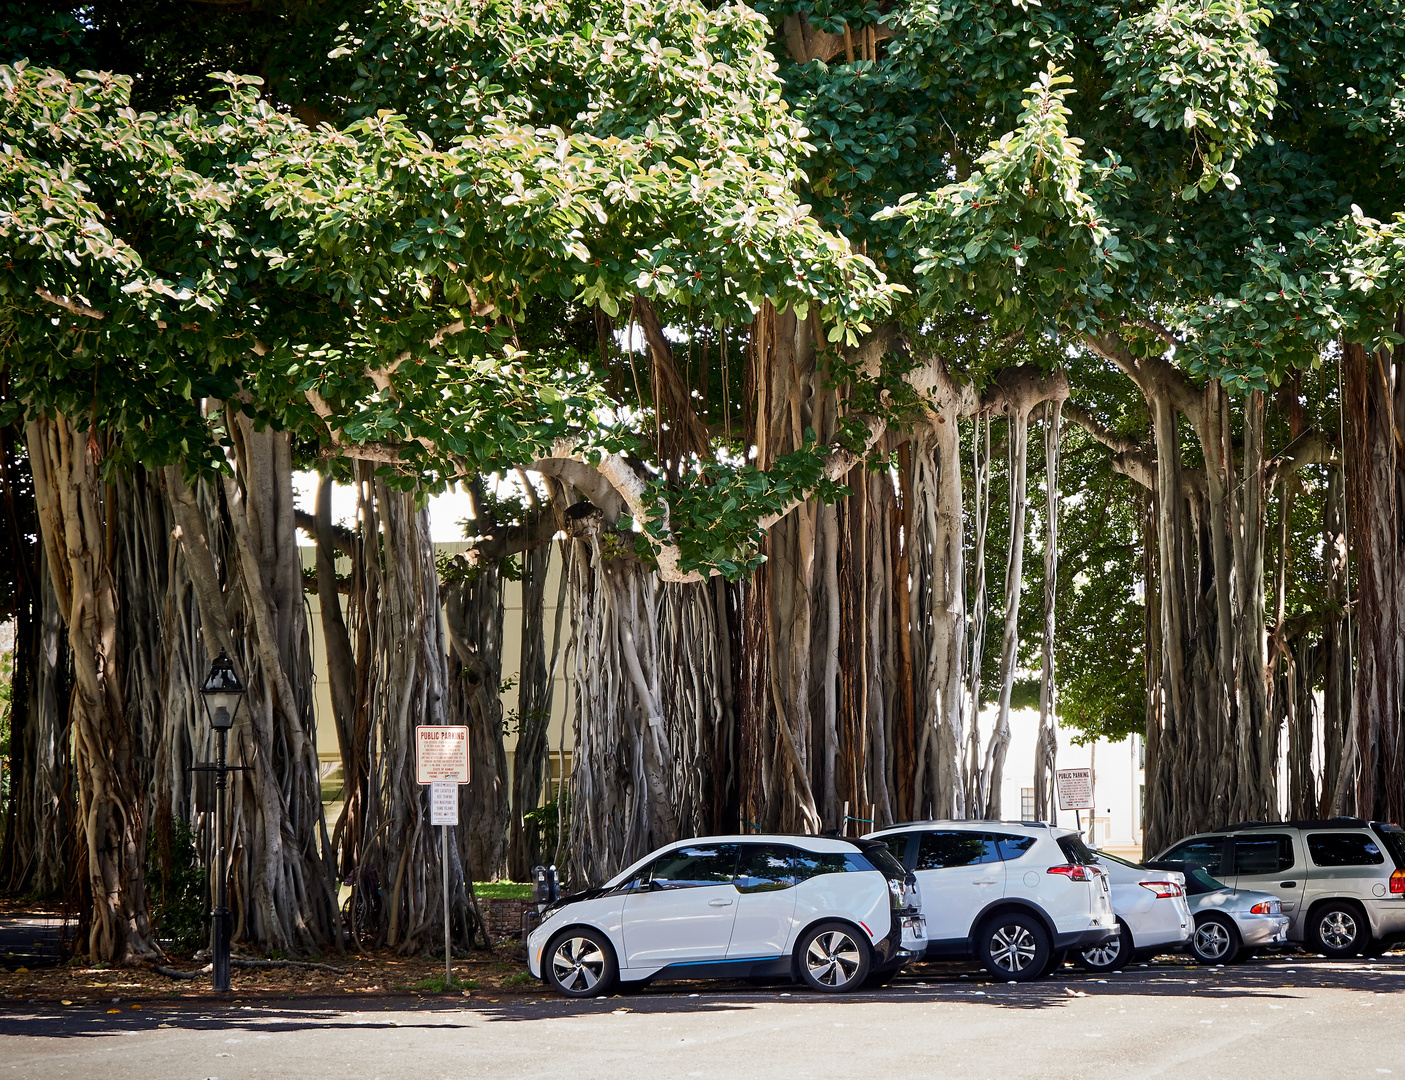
(1086, 939)
(1257, 931)
(1387, 916)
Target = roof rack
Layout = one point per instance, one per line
(1306, 823)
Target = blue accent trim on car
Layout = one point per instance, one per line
(741, 960)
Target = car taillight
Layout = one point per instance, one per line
(895, 894)
(1397, 882)
(1073, 872)
(1266, 907)
(1162, 889)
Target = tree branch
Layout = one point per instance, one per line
(68, 303)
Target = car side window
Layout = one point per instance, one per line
(939, 850)
(694, 866)
(1344, 849)
(1012, 847)
(1206, 851)
(764, 868)
(808, 864)
(1263, 854)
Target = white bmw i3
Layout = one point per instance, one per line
(828, 911)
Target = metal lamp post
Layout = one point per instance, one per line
(221, 694)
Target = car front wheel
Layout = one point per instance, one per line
(1337, 930)
(1215, 941)
(1111, 955)
(1014, 947)
(580, 963)
(833, 957)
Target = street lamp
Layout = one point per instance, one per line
(221, 694)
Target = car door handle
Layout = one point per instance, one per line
(985, 883)
(719, 903)
(1287, 884)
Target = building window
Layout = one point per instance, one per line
(1026, 804)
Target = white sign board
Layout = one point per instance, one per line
(444, 803)
(441, 754)
(1075, 788)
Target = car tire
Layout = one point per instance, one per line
(1013, 946)
(1111, 956)
(1338, 929)
(1215, 941)
(580, 963)
(1056, 963)
(833, 957)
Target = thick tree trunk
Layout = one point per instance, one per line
(1046, 747)
(77, 524)
(1375, 406)
(473, 610)
(535, 692)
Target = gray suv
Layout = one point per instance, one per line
(1341, 881)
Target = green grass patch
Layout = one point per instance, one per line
(503, 890)
(435, 985)
(519, 979)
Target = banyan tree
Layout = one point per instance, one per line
(767, 317)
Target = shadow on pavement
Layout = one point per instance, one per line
(1272, 979)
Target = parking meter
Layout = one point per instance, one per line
(545, 888)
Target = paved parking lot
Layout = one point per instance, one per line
(1279, 1018)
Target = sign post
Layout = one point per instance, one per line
(1075, 791)
(441, 761)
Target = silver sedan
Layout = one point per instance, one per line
(1229, 923)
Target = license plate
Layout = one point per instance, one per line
(917, 925)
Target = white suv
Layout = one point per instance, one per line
(1017, 896)
(831, 912)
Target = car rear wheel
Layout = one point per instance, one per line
(1215, 941)
(833, 957)
(580, 964)
(1338, 930)
(1112, 955)
(1014, 946)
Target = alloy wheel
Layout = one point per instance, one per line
(1103, 955)
(1337, 929)
(1212, 940)
(833, 958)
(1012, 948)
(578, 964)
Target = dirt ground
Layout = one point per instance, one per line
(29, 972)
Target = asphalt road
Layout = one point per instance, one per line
(1278, 1018)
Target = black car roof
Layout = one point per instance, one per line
(1306, 823)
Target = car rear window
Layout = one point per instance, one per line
(1012, 847)
(1394, 838)
(810, 864)
(1076, 851)
(883, 861)
(1344, 849)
